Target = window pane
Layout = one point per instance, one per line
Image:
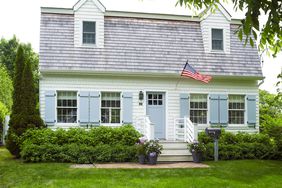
(217, 45)
(105, 116)
(89, 27)
(217, 34)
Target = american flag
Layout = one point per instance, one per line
(189, 71)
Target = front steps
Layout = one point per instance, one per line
(174, 151)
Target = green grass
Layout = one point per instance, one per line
(245, 173)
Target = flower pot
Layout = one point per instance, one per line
(141, 159)
(153, 158)
(197, 157)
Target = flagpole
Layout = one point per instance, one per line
(181, 74)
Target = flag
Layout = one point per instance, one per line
(189, 71)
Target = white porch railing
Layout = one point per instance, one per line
(145, 127)
(185, 130)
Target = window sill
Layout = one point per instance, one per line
(217, 51)
(88, 46)
(111, 124)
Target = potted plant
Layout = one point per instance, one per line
(153, 151)
(141, 153)
(197, 149)
(141, 150)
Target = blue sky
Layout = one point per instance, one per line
(22, 18)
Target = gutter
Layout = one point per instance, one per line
(139, 74)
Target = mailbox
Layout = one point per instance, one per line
(213, 132)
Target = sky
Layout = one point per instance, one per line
(22, 18)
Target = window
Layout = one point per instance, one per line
(66, 107)
(89, 33)
(217, 39)
(236, 109)
(110, 109)
(198, 108)
(155, 99)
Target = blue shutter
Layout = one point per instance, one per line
(127, 112)
(84, 108)
(251, 109)
(94, 107)
(50, 108)
(214, 109)
(184, 105)
(223, 109)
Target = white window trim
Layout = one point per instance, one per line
(223, 38)
(86, 45)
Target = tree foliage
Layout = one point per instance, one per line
(269, 37)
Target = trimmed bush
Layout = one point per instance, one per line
(101, 144)
(240, 146)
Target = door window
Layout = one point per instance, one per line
(155, 99)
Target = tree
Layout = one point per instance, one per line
(270, 110)
(6, 88)
(269, 37)
(8, 50)
(24, 114)
(8, 53)
(28, 92)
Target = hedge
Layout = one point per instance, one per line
(241, 146)
(101, 144)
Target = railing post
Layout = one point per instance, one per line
(152, 127)
(195, 132)
(185, 129)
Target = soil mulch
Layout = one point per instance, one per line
(140, 166)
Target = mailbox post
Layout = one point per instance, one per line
(215, 134)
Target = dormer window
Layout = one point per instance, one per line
(217, 39)
(89, 32)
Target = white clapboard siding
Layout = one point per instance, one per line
(136, 84)
(89, 12)
(218, 21)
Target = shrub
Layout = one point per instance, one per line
(240, 146)
(79, 145)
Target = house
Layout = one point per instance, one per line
(105, 67)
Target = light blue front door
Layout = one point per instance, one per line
(156, 112)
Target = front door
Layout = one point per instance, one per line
(156, 112)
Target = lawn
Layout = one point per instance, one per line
(247, 173)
